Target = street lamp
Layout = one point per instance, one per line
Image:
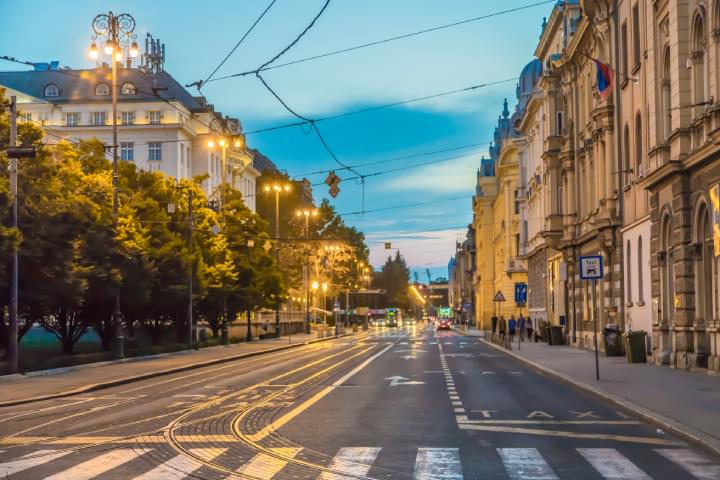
(278, 188)
(117, 30)
(307, 213)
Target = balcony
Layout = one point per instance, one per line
(516, 265)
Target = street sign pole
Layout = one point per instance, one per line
(595, 331)
(591, 269)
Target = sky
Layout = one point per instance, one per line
(434, 199)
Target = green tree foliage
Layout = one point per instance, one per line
(394, 278)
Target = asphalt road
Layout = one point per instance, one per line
(400, 403)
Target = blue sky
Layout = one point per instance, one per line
(199, 34)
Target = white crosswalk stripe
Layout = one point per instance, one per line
(611, 464)
(695, 463)
(98, 465)
(30, 460)
(351, 460)
(525, 463)
(438, 464)
(181, 466)
(264, 466)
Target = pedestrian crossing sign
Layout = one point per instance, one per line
(499, 297)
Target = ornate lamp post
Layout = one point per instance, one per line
(278, 188)
(307, 213)
(117, 30)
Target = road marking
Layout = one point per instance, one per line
(611, 464)
(524, 463)
(458, 410)
(487, 373)
(588, 414)
(485, 413)
(515, 372)
(264, 466)
(457, 404)
(548, 422)
(410, 357)
(181, 466)
(438, 464)
(411, 350)
(398, 380)
(622, 415)
(538, 413)
(698, 465)
(351, 460)
(276, 424)
(99, 465)
(560, 433)
(454, 397)
(465, 355)
(30, 460)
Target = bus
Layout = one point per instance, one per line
(393, 317)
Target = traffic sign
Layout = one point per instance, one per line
(499, 297)
(332, 179)
(521, 293)
(334, 190)
(591, 267)
(388, 245)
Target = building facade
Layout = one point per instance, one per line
(161, 127)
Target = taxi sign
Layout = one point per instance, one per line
(591, 267)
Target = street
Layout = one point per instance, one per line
(395, 403)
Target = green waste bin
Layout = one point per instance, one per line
(556, 335)
(635, 346)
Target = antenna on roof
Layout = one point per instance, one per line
(153, 59)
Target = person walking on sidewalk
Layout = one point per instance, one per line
(502, 326)
(521, 328)
(530, 329)
(512, 323)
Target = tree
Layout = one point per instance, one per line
(394, 278)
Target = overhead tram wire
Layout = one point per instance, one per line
(386, 40)
(239, 42)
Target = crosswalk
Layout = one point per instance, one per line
(348, 463)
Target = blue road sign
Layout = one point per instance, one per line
(521, 293)
(591, 267)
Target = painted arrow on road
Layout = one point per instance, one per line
(398, 380)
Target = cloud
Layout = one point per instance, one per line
(447, 177)
(420, 248)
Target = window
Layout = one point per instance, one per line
(128, 88)
(72, 119)
(97, 118)
(638, 145)
(636, 34)
(25, 117)
(154, 117)
(640, 271)
(560, 123)
(155, 167)
(666, 97)
(517, 202)
(517, 244)
(624, 35)
(628, 163)
(127, 118)
(51, 90)
(628, 277)
(127, 151)
(155, 151)
(102, 90)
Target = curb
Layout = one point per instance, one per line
(690, 434)
(122, 381)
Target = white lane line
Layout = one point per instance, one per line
(524, 463)
(99, 465)
(438, 464)
(351, 460)
(612, 464)
(181, 466)
(30, 460)
(264, 466)
(697, 464)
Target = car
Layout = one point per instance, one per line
(444, 324)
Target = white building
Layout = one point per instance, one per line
(162, 127)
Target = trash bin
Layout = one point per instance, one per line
(635, 346)
(611, 337)
(556, 335)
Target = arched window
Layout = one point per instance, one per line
(641, 293)
(626, 153)
(638, 146)
(628, 273)
(667, 276)
(128, 88)
(51, 90)
(102, 90)
(698, 58)
(703, 265)
(666, 112)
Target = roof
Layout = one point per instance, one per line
(78, 86)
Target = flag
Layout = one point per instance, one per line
(604, 79)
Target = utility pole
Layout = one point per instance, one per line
(192, 268)
(277, 255)
(13, 354)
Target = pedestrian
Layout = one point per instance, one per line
(529, 329)
(521, 327)
(494, 326)
(501, 329)
(512, 323)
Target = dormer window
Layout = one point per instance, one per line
(102, 90)
(51, 90)
(128, 88)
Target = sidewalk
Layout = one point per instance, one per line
(686, 403)
(62, 382)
